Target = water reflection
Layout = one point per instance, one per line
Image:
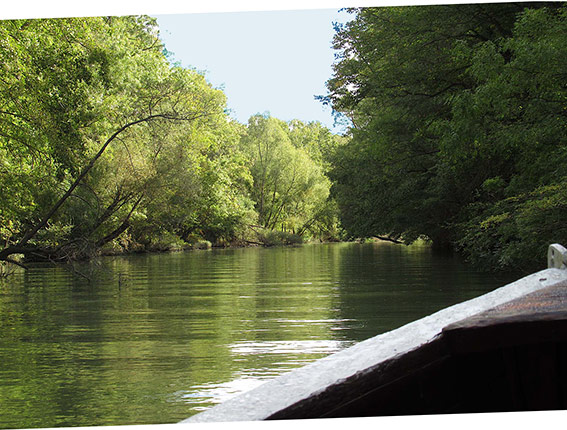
(202, 396)
(157, 338)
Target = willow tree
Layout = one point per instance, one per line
(76, 92)
(200, 189)
(288, 185)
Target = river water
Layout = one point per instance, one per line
(157, 338)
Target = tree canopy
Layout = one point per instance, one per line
(459, 127)
(289, 186)
(458, 137)
(107, 146)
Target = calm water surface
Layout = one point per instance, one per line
(157, 338)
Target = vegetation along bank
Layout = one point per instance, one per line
(458, 136)
(105, 146)
(459, 131)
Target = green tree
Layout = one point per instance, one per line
(76, 94)
(522, 102)
(290, 189)
(454, 109)
(201, 189)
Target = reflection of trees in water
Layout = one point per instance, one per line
(80, 353)
(147, 326)
(384, 285)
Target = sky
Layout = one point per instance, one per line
(272, 62)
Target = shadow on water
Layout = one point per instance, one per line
(384, 286)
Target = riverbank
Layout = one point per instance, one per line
(265, 238)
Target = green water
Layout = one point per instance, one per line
(157, 338)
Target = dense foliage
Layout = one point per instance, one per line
(458, 136)
(287, 163)
(106, 146)
(459, 127)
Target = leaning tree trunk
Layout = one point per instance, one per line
(21, 247)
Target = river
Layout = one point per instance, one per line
(157, 338)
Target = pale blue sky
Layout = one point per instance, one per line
(270, 61)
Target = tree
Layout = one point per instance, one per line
(289, 186)
(201, 189)
(447, 103)
(71, 90)
(518, 210)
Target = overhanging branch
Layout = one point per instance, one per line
(20, 246)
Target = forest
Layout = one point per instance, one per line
(106, 147)
(458, 137)
(459, 130)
